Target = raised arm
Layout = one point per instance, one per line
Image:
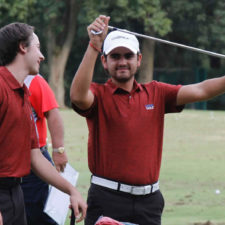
(80, 92)
(201, 91)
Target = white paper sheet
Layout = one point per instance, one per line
(57, 204)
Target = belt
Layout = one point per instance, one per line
(134, 190)
(9, 182)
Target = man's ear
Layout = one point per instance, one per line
(22, 48)
(103, 59)
(139, 59)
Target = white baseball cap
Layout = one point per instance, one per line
(117, 39)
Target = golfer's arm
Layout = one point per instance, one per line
(201, 91)
(45, 170)
(80, 93)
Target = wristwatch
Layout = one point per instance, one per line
(59, 150)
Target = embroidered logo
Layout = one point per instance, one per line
(149, 106)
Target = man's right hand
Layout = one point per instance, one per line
(100, 24)
(78, 204)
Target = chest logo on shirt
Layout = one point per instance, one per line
(149, 106)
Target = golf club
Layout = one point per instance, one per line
(164, 41)
(72, 219)
(169, 42)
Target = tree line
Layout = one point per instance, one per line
(61, 27)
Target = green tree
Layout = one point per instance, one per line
(155, 22)
(14, 10)
(196, 23)
(134, 15)
(55, 23)
(57, 20)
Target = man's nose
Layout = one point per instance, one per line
(122, 59)
(42, 57)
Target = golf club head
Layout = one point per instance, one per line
(96, 32)
(99, 32)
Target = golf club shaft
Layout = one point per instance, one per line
(169, 42)
(72, 219)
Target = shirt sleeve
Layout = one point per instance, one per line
(42, 97)
(169, 93)
(88, 112)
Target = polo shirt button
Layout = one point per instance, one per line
(130, 97)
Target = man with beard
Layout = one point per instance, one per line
(125, 121)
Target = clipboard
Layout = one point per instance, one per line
(57, 204)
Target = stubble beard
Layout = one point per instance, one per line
(120, 79)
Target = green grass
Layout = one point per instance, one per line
(193, 164)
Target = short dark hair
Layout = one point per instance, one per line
(11, 36)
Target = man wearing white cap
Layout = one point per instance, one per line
(125, 121)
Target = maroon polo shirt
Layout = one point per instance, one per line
(17, 131)
(126, 130)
